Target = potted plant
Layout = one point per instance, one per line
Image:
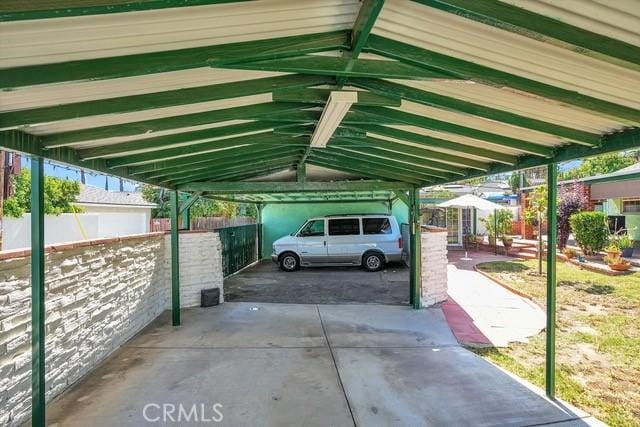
(507, 241)
(626, 245)
(613, 250)
(570, 253)
(479, 239)
(617, 263)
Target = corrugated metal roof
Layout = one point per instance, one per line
(479, 92)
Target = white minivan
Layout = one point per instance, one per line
(369, 240)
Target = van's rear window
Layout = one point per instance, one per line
(376, 226)
(344, 227)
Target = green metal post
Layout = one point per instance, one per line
(415, 277)
(37, 294)
(550, 366)
(259, 225)
(175, 261)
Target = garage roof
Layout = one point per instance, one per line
(201, 95)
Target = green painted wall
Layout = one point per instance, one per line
(632, 220)
(282, 219)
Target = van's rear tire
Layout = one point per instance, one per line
(372, 261)
(289, 262)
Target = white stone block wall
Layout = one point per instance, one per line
(200, 266)
(98, 295)
(434, 265)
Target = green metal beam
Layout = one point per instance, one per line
(410, 163)
(155, 100)
(403, 197)
(432, 142)
(421, 154)
(301, 173)
(160, 168)
(249, 112)
(255, 173)
(184, 206)
(18, 10)
(362, 169)
(172, 60)
(480, 73)
(207, 147)
(38, 310)
(542, 28)
(175, 260)
(161, 142)
(552, 234)
(293, 187)
(427, 122)
(449, 103)
(415, 276)
(366, 19)
(333, 66)
(320, 96)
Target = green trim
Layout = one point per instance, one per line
(19, 10)
(155, 100)
(421, 154)
(292, 187)
(612, 177)
(432, 142)
(175, 260)
(38, 310)
(426, 122)
(469, 70)
(255, 111)
(363, 169)
(445, 102)
(172, 60)
(320, 96)
(334, 66)
(552, 234)
(238, 172)
(184, 206)
(541, 28)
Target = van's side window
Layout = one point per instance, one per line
(313, 228)
(376, 226)
(344, 227)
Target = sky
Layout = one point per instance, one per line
(72, 173)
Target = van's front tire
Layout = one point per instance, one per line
(289, 262)
(372, 261)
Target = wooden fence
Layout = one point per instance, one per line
(205, 223)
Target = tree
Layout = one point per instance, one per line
(572, 200)
(517, 180)
(602, 164)
(534, 214)
(59, 195)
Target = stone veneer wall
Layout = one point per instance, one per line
(98, 294)
(434, 265)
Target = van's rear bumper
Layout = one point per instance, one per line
(394, 257)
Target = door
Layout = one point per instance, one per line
(343, 241)
(312, 242)
(453, 226)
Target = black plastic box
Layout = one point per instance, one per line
(209, 297)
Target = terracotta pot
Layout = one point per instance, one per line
(620, 267)
(613, 254)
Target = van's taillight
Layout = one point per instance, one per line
(400, 243)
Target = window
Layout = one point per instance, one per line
(598, 206)
(376, 226)
(344, 227)
(313, 228)
(631, 206)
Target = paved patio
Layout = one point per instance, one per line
(293, 364)
(480, 311)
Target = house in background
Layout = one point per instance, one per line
(617, 194)
(460, 222)
(105, 214)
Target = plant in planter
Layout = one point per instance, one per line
(498, 223)
(624, 242)
(617, 263)
(590, 230)
(507, 241)
(570, 253)
(479, 239)
(613, 250)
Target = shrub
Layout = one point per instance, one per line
(590, 230)
(504, 222)
(572, 200)
(570, 253)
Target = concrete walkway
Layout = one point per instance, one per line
(483, 313)
(313, 365)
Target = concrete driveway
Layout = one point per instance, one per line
(312, 365)
(265, 282)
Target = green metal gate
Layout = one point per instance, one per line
(239, 247)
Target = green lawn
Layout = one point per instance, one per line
(598, 338)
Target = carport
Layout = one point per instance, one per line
(337, 100)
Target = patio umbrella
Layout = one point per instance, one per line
(469, 201)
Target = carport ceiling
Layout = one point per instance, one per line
(190, 94)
